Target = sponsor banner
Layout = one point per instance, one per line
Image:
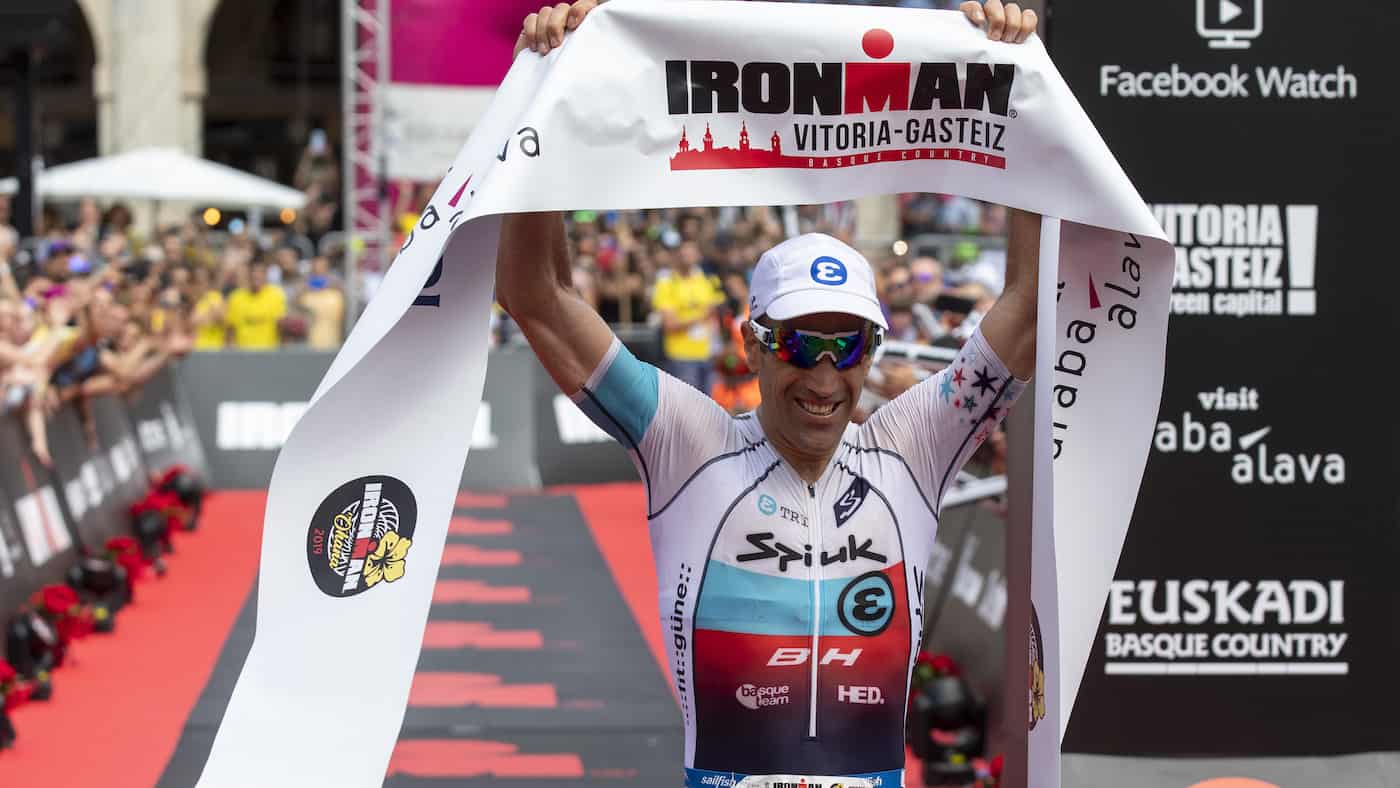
(423, 144)
(83, 471)
(116, 439)
(38, 544)
(448, 55)
(1255, 595)
(569, 448)
(503, 444)
(703, 778)
(966, 593)
(164, 421)
(48, 515)
(245, 404)
(454, 42)
(663, 106)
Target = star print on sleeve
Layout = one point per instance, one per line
(946, 390)
(958, 376)
(969, 402)
(985, 381)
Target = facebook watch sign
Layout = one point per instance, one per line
(828, 271)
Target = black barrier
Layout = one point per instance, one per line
(569, 448)
(48, 516)
(81, 470)
(242, 404)
(116, 437)
(1254, 610)
(526, 434)
(44, 549)
(966, 595)
(17, 574)
(502, 452)
(165, 422)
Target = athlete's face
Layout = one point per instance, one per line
(809, 408)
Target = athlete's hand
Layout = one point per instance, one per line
(1007, 23)
(545, 29)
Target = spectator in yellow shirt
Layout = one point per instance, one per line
(325, 302)
(211, 332)
(254, 310)
(686, 301)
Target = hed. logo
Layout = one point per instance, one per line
(361, 535)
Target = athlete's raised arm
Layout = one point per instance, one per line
(534, 280)
(534, 284)
(1009, 326)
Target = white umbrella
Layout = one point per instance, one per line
(161, 174)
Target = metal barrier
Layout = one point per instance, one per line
(48, 516)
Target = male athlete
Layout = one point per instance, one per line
(790, 544)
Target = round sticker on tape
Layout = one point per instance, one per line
(361, 535)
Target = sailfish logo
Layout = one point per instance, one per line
(850, 500)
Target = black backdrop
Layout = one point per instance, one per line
(1316, 381)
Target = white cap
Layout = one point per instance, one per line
(814, 273)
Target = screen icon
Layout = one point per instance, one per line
(1227, 24)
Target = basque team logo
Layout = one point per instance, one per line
(866, 605)
(361, 535)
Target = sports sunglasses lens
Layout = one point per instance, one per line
(853, 350)
(793, 347)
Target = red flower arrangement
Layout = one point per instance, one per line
(70, 617)
(14, 690)
(928, 667)
(988, 772)
(125, 551)
(167, 504)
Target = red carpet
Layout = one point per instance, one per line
(121, 701)
(119, 709)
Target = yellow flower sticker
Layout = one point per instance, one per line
(387, 561)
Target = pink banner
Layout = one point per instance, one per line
(454, 42)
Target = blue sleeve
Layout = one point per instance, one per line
(620, 396)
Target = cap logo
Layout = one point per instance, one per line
(828, 271)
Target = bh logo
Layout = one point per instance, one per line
(766, 504)
(828, 271)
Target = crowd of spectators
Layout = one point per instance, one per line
(92, 306)
(685, 274)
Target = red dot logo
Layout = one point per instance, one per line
(877, 43)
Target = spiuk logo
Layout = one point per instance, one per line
(361, 535)
(846, 92)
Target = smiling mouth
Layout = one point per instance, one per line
(817, 408)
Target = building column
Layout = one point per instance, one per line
(149, 78)
(98, 14)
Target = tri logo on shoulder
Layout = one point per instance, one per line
(361, 535)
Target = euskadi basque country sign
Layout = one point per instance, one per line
(1254, 609)
(657, 105)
